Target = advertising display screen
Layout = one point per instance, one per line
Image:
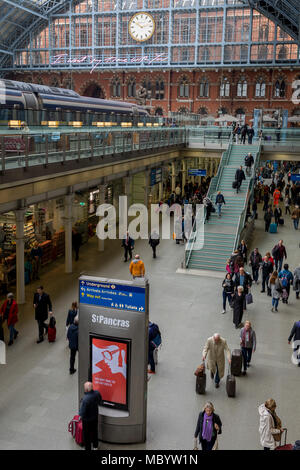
(110, 359)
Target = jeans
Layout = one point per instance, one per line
(255, 272)
(275, 303)
(278, 264)
(296, 223)
(42, 325)
(247, 355)
(264, 282)
(219, 205)
(12, 332)
(287, 210)
(228, 296)
(90, 433)
(207, 445)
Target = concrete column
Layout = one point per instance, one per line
(20, 271)
(183, 173)
(173, 175)
(102, 189)
(147, 187)
(68, 221)
(128, 189)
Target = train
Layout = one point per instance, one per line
(33, 104)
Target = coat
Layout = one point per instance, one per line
(41, 310)
(238, 303)
(296, 284)
(13, 312)
(247, 282)
(215, 354)
(266, 428)
(72, 336)
(137, 268)
(199, 427)
(258, 260)
(295, 333)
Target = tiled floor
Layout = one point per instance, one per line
(38, 396)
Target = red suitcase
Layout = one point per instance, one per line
(51, 334)
(285, 446)
(75, 428)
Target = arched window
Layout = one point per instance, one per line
(94, 91)
(260, 88)
(205, 54)
(183, 110)
(222, 111)
(115, 88)
(159, 112)
(241, 90)
(282, 53)
(240, 115)
(183, 89)
(131, 88)
(148, 85)
(159, 90)
(204, 88)
(225, 88)
(202, 111)
(263, 34)
(279, 91)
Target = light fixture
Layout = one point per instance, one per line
(53, 123)
(14, 124)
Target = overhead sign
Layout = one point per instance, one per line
(195, 172)
(155, 176)
(111, 295)
(295, 177)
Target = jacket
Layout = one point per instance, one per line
(295, 333)
(220, 199)
(89, 406)
(246, 284)
(130, 242)
(279, 252)
(296, 284)
(268, 216)
(296, 214)
(276, 289)
(72, 336)
(228, 286)
(12, 314)
(240, 175)
(266, 428)
(266, 268)
(287, 275)
(258, 260)
(215, 354)
(199, 427)
(42, 305)
(71, 315)
(252, 339)
(137, 268)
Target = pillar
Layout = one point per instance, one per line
(68, 220)
(102, 189)
(128, 188)
(147, 187)
(183, 173)
(173, 175)
(20, 270)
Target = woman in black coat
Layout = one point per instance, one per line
(243, 251)
(208, 427)
(238, 306)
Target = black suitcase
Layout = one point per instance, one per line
(201, 384)
(230, 385)
(234, 184)
(281, 221)
(236, 362)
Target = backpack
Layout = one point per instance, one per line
(157, 339)
(284, 280)
(275, 251)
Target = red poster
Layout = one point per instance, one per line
(109, 370)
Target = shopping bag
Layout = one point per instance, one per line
(249, 298)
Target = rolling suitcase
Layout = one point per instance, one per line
(236, 362)
(281, 221)
(285, 446)
(200, 379)
(75, 428)
(230, 386)
(273, 228)
(234, 184)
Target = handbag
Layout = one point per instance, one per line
(249, 298)
(213, 209)
(216, 444)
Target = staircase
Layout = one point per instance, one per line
(221, 233)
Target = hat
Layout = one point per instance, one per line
(10, 295)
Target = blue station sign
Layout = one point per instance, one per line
(195, 172)
(111, 295)
(295, 177)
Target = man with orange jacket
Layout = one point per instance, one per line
(137, 267)
(276, 196)
(9, 312)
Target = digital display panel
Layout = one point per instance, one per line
(110, 359)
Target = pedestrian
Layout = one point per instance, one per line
(266, 270)
(238, 303)
(153, 331)
(296, 284)
(239, 177)
(237, 133)
(266, 198)
(244, 132)
(242, 278)
(214, 350)
(249, 160)
(72, 337)
(76, 242)
(287, 202)
(228, 291)
(228, 267)
(269, 425)
(279, 252)
(128, 245)
(209, 426)
(268, 219)
(295, 217)
(276, 197)
(41, 304)
(248, 344)
(243, 249)
(276, 290)
(89, 413)
(208, 205)
(286, 278)
(154, 242)
(277, 214)
(36, 256)
(72, 313)
(219, 201)
(9, 313)
(255, 262)
(254, 209)
(250, 135)
(295, 336)
(137, 267)
(52, 329)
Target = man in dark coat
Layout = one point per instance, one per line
(242, 278)
(72, 336)
(76, 241)
(266, 270)
(278, 253)
(154, 242)
(238, 304)
(239, 176)
(268, 219)
(89, 414)
(128, 244)
(295, 336)
(255, 262)
(41, 303)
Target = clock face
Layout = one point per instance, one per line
(141, 27)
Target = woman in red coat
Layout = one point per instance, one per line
(9, 312)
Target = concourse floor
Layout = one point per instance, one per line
(38, 396)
